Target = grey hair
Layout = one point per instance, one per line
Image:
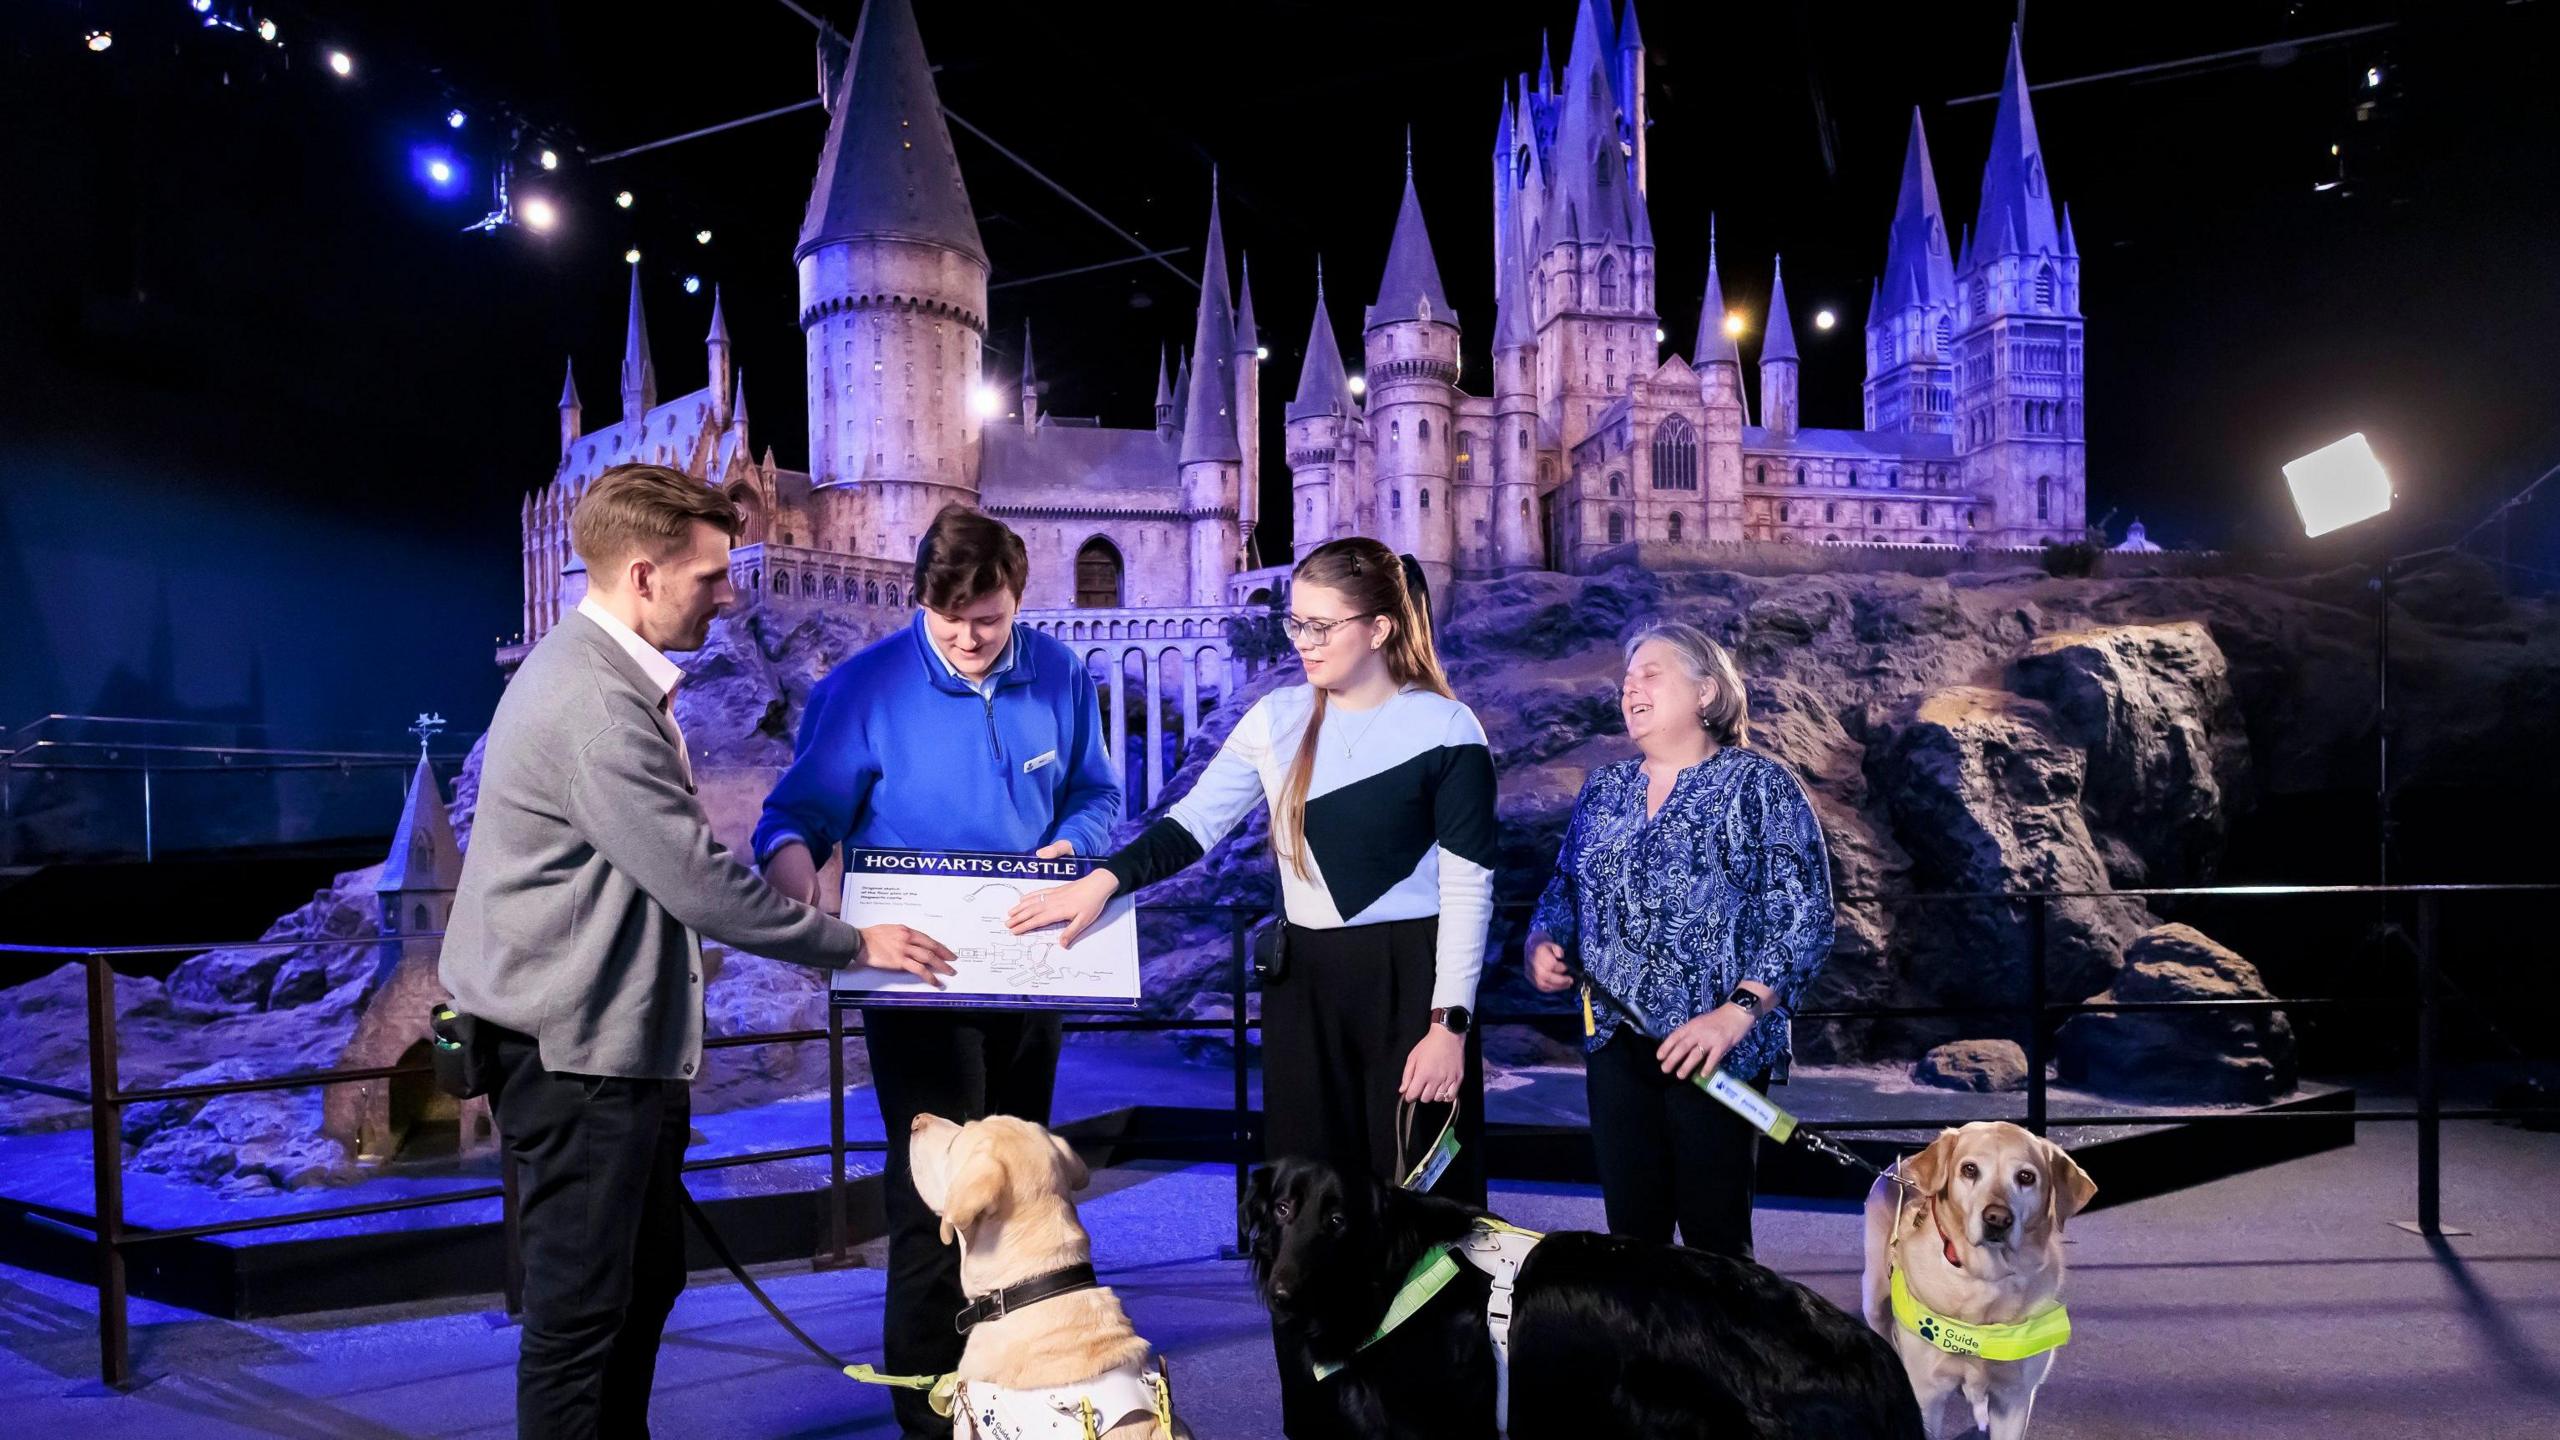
(1727, 716)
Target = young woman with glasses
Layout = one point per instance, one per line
(1381, 791)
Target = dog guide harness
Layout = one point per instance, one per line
(2048, 1329)
(1496, 1247)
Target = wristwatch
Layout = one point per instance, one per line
(1452, 1018)
(1742, 995)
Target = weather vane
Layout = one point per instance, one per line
(426, 727)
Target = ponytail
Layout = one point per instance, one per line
(1380, 582)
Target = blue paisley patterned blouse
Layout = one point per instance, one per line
(1729, 882)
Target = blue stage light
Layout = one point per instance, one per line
(436, 168)
(200, 6)
(453, 118)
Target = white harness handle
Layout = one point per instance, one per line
(1500, 1254)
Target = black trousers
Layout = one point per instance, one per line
(1336, 1031)
(962, 1065)
(602, 1232)
(1668, 1152)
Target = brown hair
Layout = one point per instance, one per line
(966, 554)
(1727, 716)
(646, 511)
(1376, 582)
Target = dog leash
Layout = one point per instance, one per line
(1756, 1109)
(938, 1389)
(1422, 1174)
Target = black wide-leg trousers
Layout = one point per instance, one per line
(1336, 1031)
(1668, 1152)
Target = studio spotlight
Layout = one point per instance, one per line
(631, 256)
(1735, 323)
(538, 213)
(200, 6)
(453, 119)
(701, 237)
(984, 402)
(550, 159)
(1658, 335)
(2338, 485)
(1261, 352)
(341, 63)
(623, 199)
(100, 40)
(1824, 319)
(267, 31)
(693, 284)
(1358, 385)
(440, 171)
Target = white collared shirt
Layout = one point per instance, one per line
(662, 672)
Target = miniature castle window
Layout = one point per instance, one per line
(1425, 495)
(1395, 501)
(1675, 527)
(1799, 474)
(1875, 516)
(1617, 528)
(1395, 430)
(1981, 296)
(2044, 497)
(1924, 514)
(1760, 474)
(1830, 513)
(1784, 509)
(1422, 431)
(1675, 455)
(1893, 479)
(1613, 483)
(1853, 477)
(2044, 287)
(1946, 334)
(1608, 280)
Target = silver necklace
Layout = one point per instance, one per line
(1351, 742)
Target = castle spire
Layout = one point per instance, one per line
(1209, 422)
(1323, 387)
(572, 414)
(1410, 288)
(1594, 196)
(887, 169)
(738, 404)
(721, 369)
(1915, 252)
(1780, 342)
(639, 373)
(1030, 382)
(2014, 186)
(1715, 342)
(1247, 338)
(423, 853)
(569, 388)
(1164, 393)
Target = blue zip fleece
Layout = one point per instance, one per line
(895, 752)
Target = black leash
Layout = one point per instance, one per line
(720, 1249)
(1775, 1123)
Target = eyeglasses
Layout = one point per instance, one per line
(1315, 633)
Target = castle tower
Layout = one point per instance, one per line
(1030, 383)
(1212, 458)
(723, 373)
(1910, 385)
(639, 372)
(572, 415)
(1513, 444)
(893, 294)
(1320, 452)
(1410, 341)
(424, 868)
(2018, 389)
(1719, 365)
(1631, 93)
(1778, 363)
(1591, 247)
(1165, 425)
(1248, 410)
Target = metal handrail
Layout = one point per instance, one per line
(106, 1099)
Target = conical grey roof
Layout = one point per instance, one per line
(887, 168)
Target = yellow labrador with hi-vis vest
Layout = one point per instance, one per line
(1964, 1272)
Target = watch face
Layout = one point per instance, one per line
(1456, 1018)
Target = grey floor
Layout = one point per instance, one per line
(2276, 1303)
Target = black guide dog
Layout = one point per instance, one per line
(1609, 1337)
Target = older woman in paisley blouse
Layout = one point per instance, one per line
(1694, 884)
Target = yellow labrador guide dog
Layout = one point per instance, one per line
(1964, 1272)
(1051, 1355)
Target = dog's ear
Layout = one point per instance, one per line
(1253, 1210)
(1071, 1166)
(978, 1187)
(2071, 1188)
(1927, 1171)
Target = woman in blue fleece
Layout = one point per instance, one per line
(964, 731)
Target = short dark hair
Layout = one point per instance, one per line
(967, 554)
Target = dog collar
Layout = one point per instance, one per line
(996, 1304)
(1946, 1242)
(2017, 1340)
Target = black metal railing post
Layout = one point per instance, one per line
(2430, 1078)
(1239, 1133)
(837, 1225)
(2037, 998)
(106, 1165)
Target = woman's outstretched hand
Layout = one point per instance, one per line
(1076, 905)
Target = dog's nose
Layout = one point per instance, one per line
(1996, 1221)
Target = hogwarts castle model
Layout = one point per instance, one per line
(1593, 448)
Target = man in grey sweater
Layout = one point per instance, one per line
(591, 881)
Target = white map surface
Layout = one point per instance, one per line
(992, 966)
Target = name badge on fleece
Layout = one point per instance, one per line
(1045, 757)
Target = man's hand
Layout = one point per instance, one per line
(1055, 850)
(1546, 965)
(895, 947)
(791, 870)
